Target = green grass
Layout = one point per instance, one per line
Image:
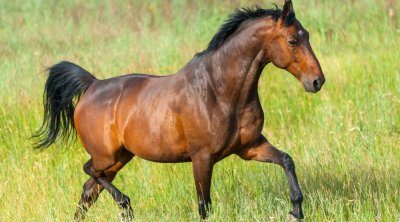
(344, 140)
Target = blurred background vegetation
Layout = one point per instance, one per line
(344, 140)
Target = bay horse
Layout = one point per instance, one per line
(205, 112)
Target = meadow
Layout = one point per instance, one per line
(345, 140)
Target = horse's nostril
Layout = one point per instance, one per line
(317, 84)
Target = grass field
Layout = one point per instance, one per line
(345, 140)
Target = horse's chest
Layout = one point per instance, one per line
(247, 129)
(250, 125)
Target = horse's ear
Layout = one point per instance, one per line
(288, 12)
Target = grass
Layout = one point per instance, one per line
(344, 140)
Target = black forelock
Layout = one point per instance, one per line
(237, 18)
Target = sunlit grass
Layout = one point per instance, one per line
(344, 140)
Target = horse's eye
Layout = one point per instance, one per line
(292, 43)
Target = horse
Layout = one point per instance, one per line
(205, 112)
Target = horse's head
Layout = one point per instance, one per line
(289, 48)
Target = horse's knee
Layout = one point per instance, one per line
(287, 162)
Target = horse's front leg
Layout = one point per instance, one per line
(263, 151)
(202, 171)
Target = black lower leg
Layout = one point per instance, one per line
(91, 191)
(295, 193)
(101, 177)
(204, 208)
(202, 169)
(122, 200)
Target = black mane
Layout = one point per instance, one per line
(235, 20)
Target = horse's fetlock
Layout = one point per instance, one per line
(125, 202)
(296, 197)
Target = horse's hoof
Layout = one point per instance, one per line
(126, 217)
(291, 218)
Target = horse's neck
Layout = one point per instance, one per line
(234, 71)
(240, 75)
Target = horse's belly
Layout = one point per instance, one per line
(158, 138)
(164, 153)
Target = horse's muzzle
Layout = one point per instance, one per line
(313, 85)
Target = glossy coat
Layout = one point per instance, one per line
(205, 112)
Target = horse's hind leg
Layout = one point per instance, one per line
(103, 164)
(122, 200)
(263, 151)
(92, 189)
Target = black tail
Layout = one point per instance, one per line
(65, 82)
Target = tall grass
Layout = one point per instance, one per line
(344, 140)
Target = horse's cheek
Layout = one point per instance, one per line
(279, 55)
